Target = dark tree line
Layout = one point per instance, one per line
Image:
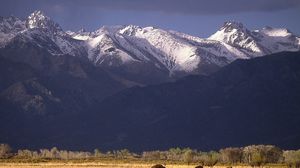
(254, 155)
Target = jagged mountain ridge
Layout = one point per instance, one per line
(40, 30)
(130, 49)
(181, 52)
(258, 42)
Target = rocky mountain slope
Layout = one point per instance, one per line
(247, 102)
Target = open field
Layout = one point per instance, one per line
(107, 165)
(82, 165)
(259, 156)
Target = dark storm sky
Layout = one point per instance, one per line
(196, 17)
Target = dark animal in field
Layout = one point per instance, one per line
(158, 166)
(199, 166)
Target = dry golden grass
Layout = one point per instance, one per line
(83, 165)
(104, 165)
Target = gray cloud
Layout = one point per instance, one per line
(197, 7)
(194, 6)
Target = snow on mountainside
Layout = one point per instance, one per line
(9, 27)
(42, 31)
(278, 39)
(116, 46)
(258, 42)
(235, 34)
(181, 52)
(172, 52)
(38, 20)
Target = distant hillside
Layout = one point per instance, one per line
(253, 101)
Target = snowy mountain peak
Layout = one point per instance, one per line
(237, 35)
(232, 25)
(130, 30)
(230, 32)
(39, 20)
(107, 30)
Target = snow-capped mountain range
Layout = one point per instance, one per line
(167, 51)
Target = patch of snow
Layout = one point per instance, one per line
(275, 32)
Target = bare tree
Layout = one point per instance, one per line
(5, 150)
(257, 155)
(231, 155)
(292, 158)
(209, 158)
